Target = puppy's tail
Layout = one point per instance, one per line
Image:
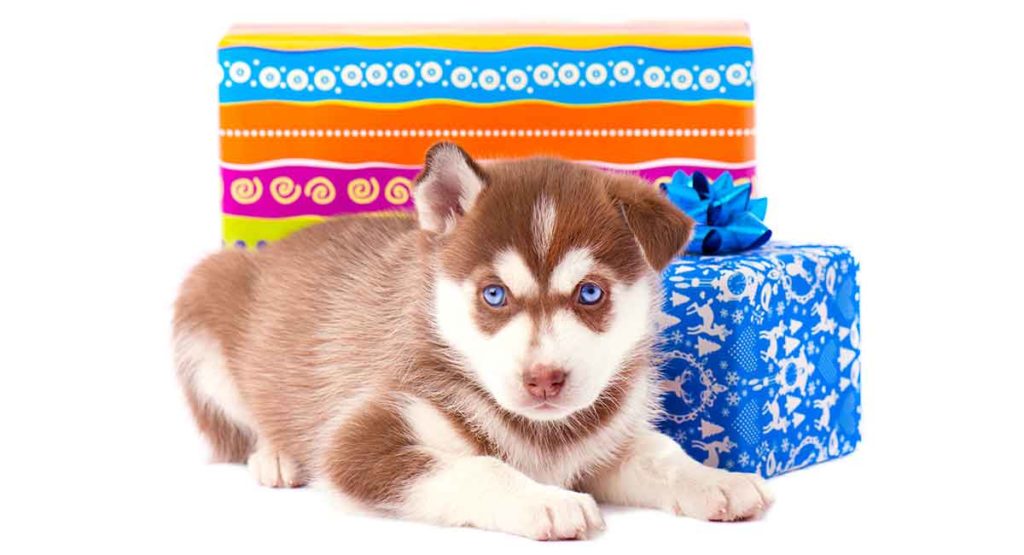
(209, 317)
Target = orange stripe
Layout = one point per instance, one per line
(409, 150)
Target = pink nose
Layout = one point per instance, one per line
(543, 382)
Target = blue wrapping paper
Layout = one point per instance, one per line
(761, 369)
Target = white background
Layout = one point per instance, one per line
(890, 128)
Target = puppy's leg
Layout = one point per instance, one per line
(378, 458)
(657, 473)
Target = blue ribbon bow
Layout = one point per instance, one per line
(728, 220)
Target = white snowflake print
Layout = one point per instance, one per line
(744, 459)
(811, 349)
(733, 399)
(724, 365)
(732, 378)
(724, 313)
(780, 308)
(737, 316)
(844, 266)
(725, 411)
(676, 337)
(811, 388)
(730, 463)
(785, 444)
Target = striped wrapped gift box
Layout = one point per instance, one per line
(322, 121)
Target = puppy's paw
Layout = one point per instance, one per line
(273, 469)
(723, 496)
(550, 513)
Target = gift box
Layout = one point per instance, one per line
(761, 349)
(320, 121)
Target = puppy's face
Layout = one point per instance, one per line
(548, 279)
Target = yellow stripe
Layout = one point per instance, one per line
(435, 102)
(478, 41)
(253, 230)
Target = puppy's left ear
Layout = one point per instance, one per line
(447, 187)
(661, 229)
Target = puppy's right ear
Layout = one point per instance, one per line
(447, 187)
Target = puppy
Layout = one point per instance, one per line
(488, 362)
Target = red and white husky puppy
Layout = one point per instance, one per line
(487, 363)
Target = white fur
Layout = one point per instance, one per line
(657, 473)
(543, 225)
(574, 266)
(566, 466)
(486, 493)
(498, 359)
(433, 430)
(201, 362)
(591, 359)
(513, 271)
(272, 469)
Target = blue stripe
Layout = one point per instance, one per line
(579, 77)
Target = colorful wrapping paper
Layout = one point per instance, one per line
(762, 369)
(322, 121)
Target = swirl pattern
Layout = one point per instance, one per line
(398, 191)
(246, 191)
(320, 190)
(363, 191)
(284, 190)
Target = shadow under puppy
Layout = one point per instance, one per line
(488, 363)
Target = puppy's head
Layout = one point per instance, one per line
(548, 273)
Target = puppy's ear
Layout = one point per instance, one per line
(447, 187)
(661, 229)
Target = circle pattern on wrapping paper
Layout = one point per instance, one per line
(654, 77)
(516, 79)
(682, 79)
(489, 79)
(543, 75)
(270, 77)
(710, 79)
(403, 74)
(431, 72)
(736, 74)
(240, 72)
(596, 74)
(624, 72)
(324, 79)
(351, 75)
(568, 74)
(297, 79)
(462, 77)
(376, 74)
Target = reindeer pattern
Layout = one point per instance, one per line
(748, 333)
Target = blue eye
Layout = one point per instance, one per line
(494, 295)
(590, 293)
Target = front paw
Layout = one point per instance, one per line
(723, 496)
(549, 513)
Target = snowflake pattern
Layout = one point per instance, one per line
(746, 365)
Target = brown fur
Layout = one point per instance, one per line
(319, 328)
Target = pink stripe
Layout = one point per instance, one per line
(286, 191)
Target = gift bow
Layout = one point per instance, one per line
(728, 220)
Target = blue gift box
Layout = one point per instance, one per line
(761, 367)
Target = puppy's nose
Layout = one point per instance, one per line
(543, 382)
